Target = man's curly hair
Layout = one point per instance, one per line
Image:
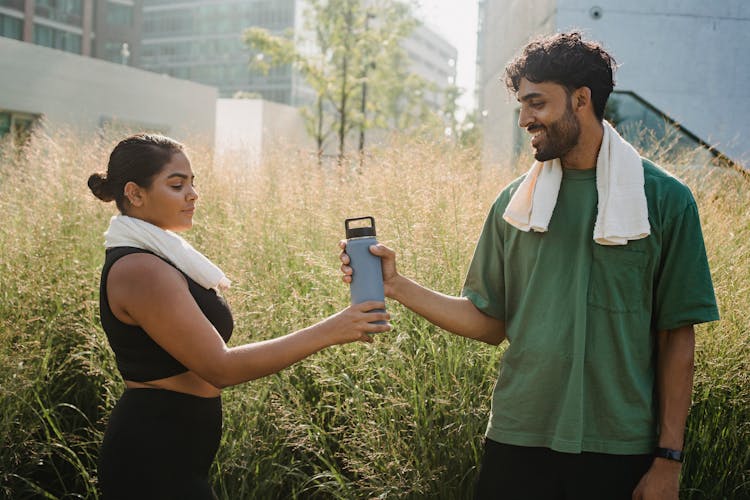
(566, 59)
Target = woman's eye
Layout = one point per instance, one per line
(177, 188)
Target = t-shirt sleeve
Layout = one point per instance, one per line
(684, 293)
(485, 281)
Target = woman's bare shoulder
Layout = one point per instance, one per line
(144, 269)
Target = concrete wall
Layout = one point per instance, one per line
(686, 57)
(689, 58)
(508, 25)
(248, 130)
(80, 92)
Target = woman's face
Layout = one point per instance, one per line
(169, 202)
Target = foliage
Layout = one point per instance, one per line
(349, 50)
(401, 418)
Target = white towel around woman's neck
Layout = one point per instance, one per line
(127, 231)
(622, 211)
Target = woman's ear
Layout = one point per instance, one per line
(133, 194)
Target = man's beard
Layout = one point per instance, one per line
(559, 137)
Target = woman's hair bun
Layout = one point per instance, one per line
(100, 187)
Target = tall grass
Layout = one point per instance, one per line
(401, 418)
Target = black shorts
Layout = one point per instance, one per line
(519, 472)
(159, 444)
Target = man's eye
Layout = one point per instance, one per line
(177, 187)
(537, 105)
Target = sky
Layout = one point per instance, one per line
(456, 20)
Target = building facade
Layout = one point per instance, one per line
(434, 59)
(103, 29)
(201, 41)
(81, 94)
(249, 131)
(681, 61)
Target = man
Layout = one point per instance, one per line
(593, 267)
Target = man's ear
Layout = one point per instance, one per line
(581, 98)
(133, 194)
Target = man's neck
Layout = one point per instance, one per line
(584, 155)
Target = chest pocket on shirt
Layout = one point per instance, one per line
(618, 279)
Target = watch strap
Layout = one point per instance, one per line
(669, 454)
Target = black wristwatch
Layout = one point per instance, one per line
(669, 454)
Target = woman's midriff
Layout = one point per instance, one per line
(188, 383)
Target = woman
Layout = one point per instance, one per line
(168, 328)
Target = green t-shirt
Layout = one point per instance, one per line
(578, 374)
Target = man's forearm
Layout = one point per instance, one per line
(674, 372)
(455, 314)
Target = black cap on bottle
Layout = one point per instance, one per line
(359, 232)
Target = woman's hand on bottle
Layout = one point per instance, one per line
(387, 260)
(356, 322)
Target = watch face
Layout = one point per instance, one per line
(669, 454)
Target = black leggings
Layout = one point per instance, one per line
(159, 444)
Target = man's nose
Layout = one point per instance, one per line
(524, 117)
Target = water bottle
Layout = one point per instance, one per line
(367, 274)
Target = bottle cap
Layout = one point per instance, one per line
(359, 231)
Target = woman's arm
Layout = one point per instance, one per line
(152, 294)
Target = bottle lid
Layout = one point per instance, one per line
(359, 230)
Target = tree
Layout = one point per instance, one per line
(470, 131)
(273, 50)
(356, 53)
(450, 109)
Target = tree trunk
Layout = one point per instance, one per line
(344, 92)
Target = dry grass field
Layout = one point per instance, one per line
(401, 418)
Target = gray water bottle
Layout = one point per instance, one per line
(367, 274)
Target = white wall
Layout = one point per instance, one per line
(247, 130)
(80, 92)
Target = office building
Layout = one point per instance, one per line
(202, 41)
(103, 29)
(82, 94)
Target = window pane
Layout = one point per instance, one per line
(120, 15)
(10, 27)
(43, 36)
(4, 123)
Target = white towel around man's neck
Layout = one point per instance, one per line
(622, 212)
(127, 231)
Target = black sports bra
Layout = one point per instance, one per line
(139, 358)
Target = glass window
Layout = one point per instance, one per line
(65, 11)
(4, 123)
(57, 39)
(10, 27)
(43, 36)
(119, 15)
(70, 42)
(13, 4)
(647, 128)
(18, 125)
(112, 52)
